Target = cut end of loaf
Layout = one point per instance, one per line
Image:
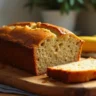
(56, 51)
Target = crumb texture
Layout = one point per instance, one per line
(57, 51)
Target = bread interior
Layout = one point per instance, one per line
(57, 51)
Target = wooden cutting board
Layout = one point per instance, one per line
(43, 85)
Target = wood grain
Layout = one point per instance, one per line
(43, 85)
(5, 94)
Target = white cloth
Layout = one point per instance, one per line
(8, 89)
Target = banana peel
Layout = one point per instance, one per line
(90, 43)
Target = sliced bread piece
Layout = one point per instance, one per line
(80, 71)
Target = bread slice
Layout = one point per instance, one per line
(35, 46)
(80, 71)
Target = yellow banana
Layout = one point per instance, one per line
(90, 43)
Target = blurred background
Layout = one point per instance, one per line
(78, 16)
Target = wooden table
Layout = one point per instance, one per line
(43, 85)
(5, 94)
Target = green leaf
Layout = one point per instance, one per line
(72, 2)
(65, 7)
(93, 1)
(62, 5)
(62, 8)
(60, 1)
(81, 1)
(77, 9)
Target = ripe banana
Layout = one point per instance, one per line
(90, 43)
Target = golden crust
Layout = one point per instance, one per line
(25, 35)
(23, 24)
(5, 29)
(53, 28)
(57, 29)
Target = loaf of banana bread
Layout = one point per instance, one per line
(35, 46)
